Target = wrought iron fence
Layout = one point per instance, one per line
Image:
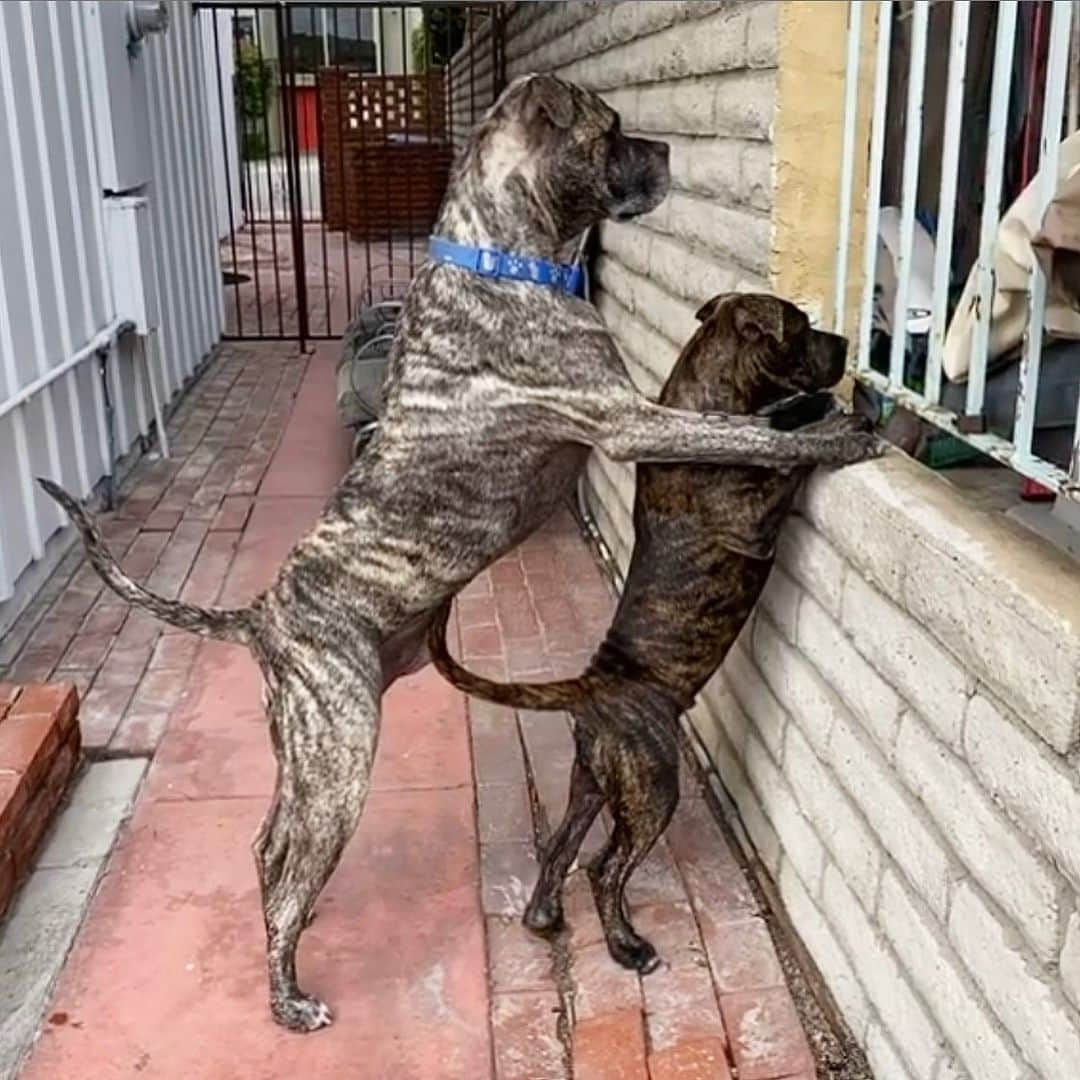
(335, 126)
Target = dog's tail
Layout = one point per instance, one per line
(226, 624)
(560, 694)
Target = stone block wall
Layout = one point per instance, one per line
(702, 75)
(896, 733)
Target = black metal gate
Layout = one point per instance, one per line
(332, 128)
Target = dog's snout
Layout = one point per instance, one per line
(829, 355)
(662, 154)
(639, 177)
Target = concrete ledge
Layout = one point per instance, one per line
(1003, 603)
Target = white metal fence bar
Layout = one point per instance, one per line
(167, 272)
(873, 198)
(1004, 45)
(40, 137)
(950, 162)
(89, 148)
(24, 467)
(71, 176)
(210, 253)
(179, 198)
(1074, 463)
(1053, 107)
(22, 212)
(909, 186)
(1058, 84)
(847, 162)
(183, 72)
(1073, 112)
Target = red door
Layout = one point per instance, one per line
(307, 122)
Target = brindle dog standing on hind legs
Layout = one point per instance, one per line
(496, 391)
(703, 549)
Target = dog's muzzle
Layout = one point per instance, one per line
(639, 177)
(828, 357)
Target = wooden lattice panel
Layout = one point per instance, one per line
(366, 118)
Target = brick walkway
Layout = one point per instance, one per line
(340, 272)
(417, 942)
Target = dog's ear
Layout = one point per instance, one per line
(759, 316)
(549, 97)
(710, 307)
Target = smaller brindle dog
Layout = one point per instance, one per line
(704, 545)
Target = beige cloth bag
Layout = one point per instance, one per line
(1022, 238)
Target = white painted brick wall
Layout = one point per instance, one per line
(893, 812)
(1030, 891)
(749, 688)
(882, 977)
(800, 843)
(797, 686)
(898, 731)
(1004, 605)
(850, 841)
(809, 558)
(818, 936)
(1039, 789)
(881, 1053)
(1028, 1005)
(780, 601)
(956, 842)
(870, 697)
(1070, 959)
(907, 656)
(985, 1049)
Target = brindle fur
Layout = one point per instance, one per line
(495, 392)
(704, 541)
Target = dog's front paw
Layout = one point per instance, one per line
(798, 410)
(860, 445)
(841, 424)
(301, 1013)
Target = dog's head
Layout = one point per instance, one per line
(552, 158)
(767, 347)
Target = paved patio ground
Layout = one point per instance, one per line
(416, 943)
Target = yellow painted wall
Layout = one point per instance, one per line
(807, 139)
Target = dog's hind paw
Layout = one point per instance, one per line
(636, 954)
(301, 1013)
(544, 916)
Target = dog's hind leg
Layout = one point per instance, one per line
(545, 911)
(324, 727)
(642, 801)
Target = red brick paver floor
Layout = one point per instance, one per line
(417, 941)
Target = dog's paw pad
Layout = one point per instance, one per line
(302, 1013)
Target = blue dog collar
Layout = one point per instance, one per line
(493, 263)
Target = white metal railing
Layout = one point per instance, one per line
(1017, 452)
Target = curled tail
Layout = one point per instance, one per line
(223, 623)
(560, 694)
